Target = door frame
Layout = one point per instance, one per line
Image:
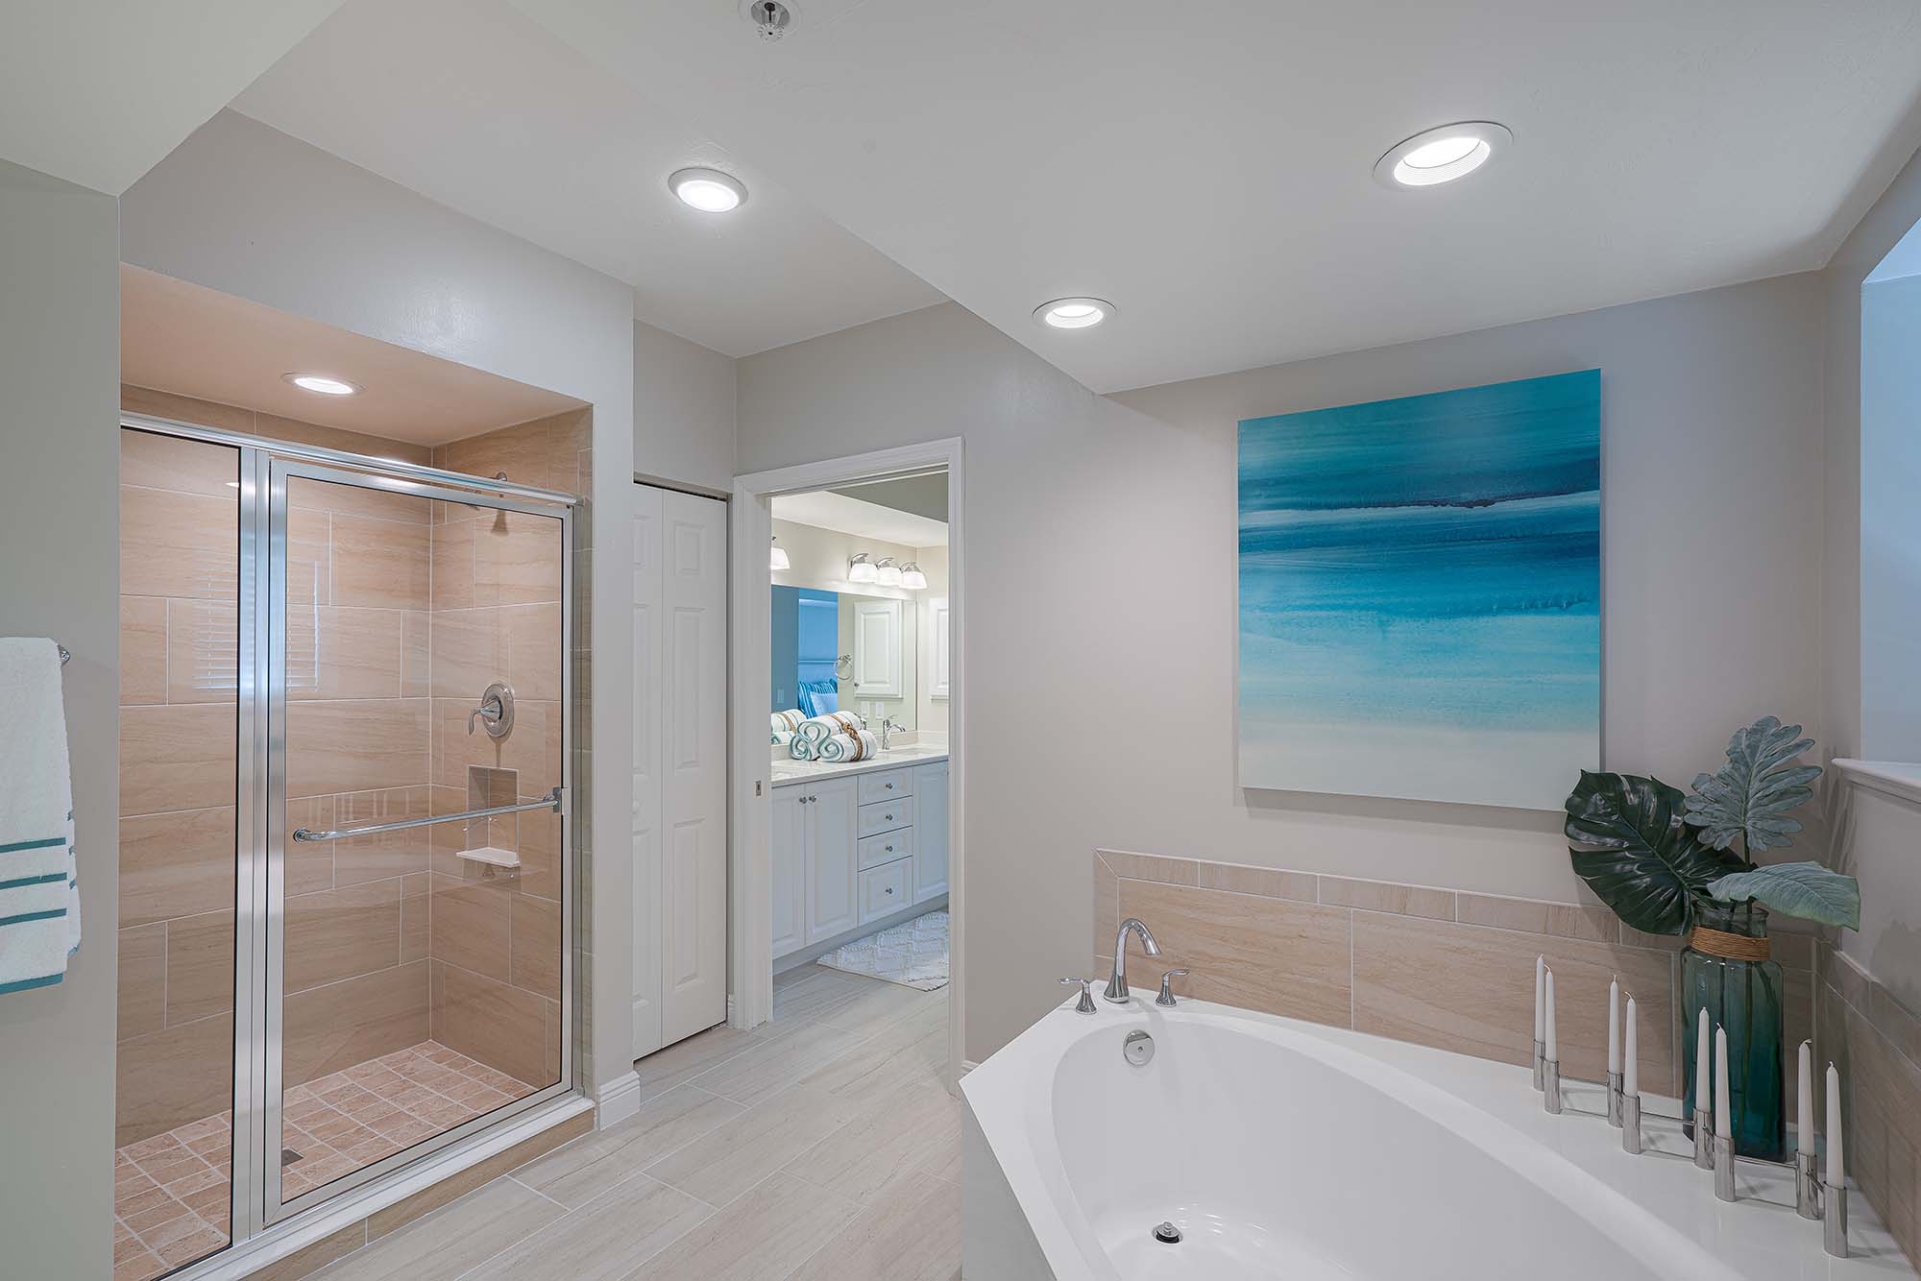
(750, 905)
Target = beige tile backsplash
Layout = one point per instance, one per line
(1437, 967)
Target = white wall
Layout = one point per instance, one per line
(252, 212)
(1712, 475)
(59, 577)
(683, 410)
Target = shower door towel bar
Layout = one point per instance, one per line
(554, 800)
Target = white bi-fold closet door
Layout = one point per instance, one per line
(679, 550)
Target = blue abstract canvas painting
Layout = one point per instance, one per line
(1420, 595)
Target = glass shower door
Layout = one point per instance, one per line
(417, 983)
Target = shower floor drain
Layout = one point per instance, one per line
(1167, 1234)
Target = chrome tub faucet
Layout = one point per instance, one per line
(1117, 982)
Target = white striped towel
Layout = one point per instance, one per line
(39, 883)
(817, 728)
(787, 721)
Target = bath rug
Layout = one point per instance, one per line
(913, 954)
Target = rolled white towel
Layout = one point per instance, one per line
(800, 748)
(788, 720)
(819, 727)
(845, 749)
(782, 737)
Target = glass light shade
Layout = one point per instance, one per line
(887, 573)
(912, 579)
(777, 559)
(860, 569)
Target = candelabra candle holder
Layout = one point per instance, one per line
(1540, 1062)
(1724, 1167)
(1551, 1085)
(1703, 1139)
(1807, 1186)
(1834, 1231)
(1615, 1098)
(1631, 1124)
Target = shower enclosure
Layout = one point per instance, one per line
(346, 922)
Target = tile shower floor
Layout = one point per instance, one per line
(170, 1192)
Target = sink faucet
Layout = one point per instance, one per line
(1117, 982)
(887, 725)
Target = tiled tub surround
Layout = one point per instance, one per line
(1435, 967)
(1876, 1041)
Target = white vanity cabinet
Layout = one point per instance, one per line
(849, 851)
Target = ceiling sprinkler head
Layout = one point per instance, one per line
(769, 17)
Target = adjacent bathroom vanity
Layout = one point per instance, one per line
(855, 848)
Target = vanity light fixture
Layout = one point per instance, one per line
(1443, 154)
(1074, 313)
(777, 559)
(708, 190)
(911, 578)
(320, 383)
(860, 569)
(887, 573)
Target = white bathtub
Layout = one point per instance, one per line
(1285, 1149)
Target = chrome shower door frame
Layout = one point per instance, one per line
(270, 936)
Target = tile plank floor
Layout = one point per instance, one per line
(821, 1147)
(171, 1192)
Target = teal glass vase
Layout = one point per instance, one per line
(1745, 997)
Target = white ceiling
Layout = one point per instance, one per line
(471, 104)
(198, 342)
(825, 509)
(1207, 165)
(99, 91)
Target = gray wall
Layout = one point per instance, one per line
(683, 410)
(59, 577)
(252, 212)
(1712, 414)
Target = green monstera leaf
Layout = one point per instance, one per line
(1806, 890)
(1751, 795)
(1627, 841)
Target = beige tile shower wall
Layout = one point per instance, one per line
(358, 725)
(494, 944)
(1876, 1042)
(1436, 967)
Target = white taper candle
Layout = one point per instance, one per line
(1552, 1041)
(1723, 1111)
(1614, 1025)
(1631, 1082)
(1540, 973)
(1804, 1100)
(1837, 1171)
(1703, 1063)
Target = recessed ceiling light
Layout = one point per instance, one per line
(321, 383)
(708, 190)
(1074, 313)
(1434, 156)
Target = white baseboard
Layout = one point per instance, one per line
(617, 1100)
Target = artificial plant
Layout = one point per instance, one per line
(1660, 859)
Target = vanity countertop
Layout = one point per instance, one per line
(788, 770)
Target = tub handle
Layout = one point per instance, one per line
(1086, 1004)
(1167, 986)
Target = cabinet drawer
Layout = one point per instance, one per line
(886, 785)
(885, 848)
(884, 889)
(885, 816)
